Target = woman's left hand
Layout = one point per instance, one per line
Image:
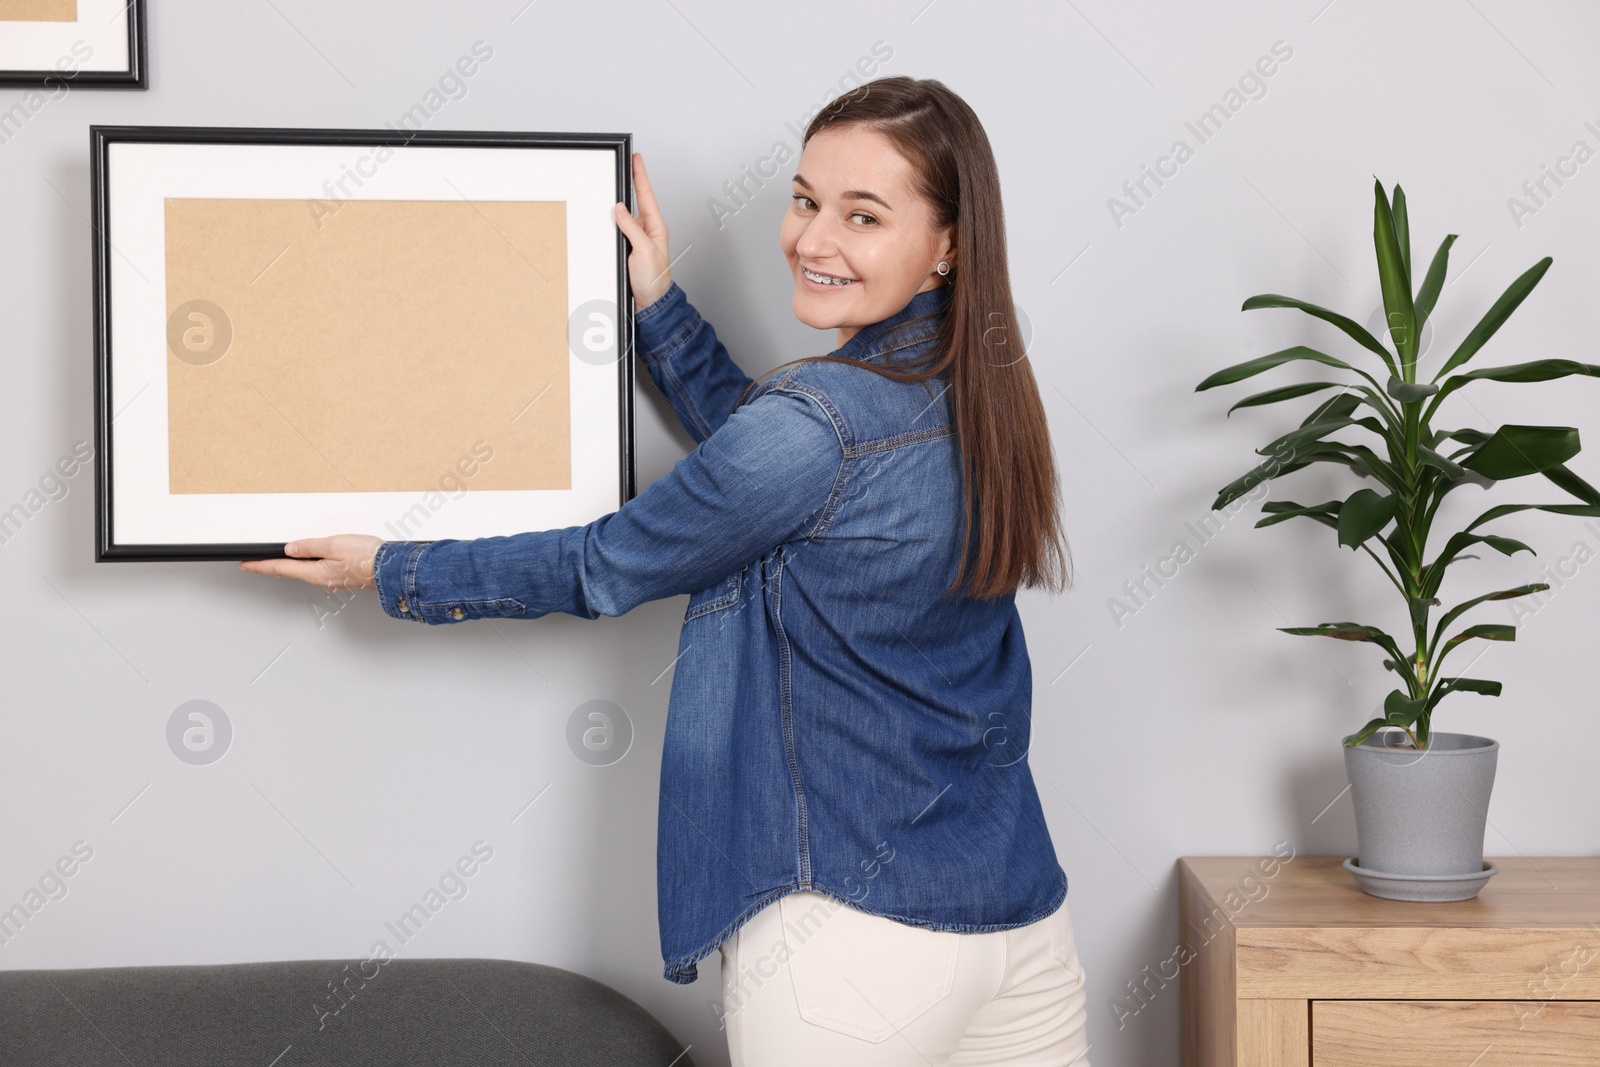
(343, 561)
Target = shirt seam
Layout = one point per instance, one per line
(909, 437)
(899, 347)
(409, 582)
(377, 582)
(655, 306)
(683, 963)
(846, 449)
(786, 716)
(723, 600)
(685, 395)
(668, 346)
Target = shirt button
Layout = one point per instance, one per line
(457, 613)
(403, 606)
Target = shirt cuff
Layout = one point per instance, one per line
(667, 295)
(394, 572)
(405, 593)
(665, 325)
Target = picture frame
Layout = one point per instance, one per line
(413, 334)
(59, 45)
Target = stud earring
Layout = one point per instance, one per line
(944, 267)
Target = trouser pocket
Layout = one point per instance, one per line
(1063, 941)
(863, 975)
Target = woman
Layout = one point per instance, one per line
(846, 812)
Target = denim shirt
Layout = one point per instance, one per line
(834, 725)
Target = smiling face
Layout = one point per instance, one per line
(859, 239)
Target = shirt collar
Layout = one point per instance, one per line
(872, 341)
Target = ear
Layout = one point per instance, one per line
(945, 247)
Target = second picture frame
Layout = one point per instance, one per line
(60, 45)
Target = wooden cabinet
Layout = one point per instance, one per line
(1299, 968)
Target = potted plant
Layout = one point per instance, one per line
(1421, 800)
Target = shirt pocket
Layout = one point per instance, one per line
(716, 597)
(897, 972)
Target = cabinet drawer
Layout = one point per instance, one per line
(1483, 1033)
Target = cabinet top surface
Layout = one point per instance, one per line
(1317, 891)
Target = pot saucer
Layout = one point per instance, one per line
(1420, 887)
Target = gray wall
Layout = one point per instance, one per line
(367, 755)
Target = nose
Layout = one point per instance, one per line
(817, 240)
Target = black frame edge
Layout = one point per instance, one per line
(137, 76)
(101, 137)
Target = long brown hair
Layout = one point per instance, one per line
(1009, 465)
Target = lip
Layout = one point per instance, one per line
(822, 287)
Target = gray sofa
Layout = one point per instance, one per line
(311, 1013)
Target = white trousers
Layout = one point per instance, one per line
(810, 980)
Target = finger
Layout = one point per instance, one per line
(649, 212)
(306, 570)
(309, 547)
(630, 226)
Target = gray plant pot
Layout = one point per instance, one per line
(1421, 812)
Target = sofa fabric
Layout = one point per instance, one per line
(326, 1013)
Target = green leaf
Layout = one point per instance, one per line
(1251, 367)
(1365, 732)
(1507, 546)
(1264, 472)
(1538, 370)
(1355, 330)
(1563, 478)
(1447, 686)
(1277, 511)
(1488, 631)
(1433, 574)
(1346, 404)
(1419, 608)
(1516, 451)
(1474, 685)
(1435, 460)
(1395, 279)
(1582, 511)
(1348, 631)
(1290, 468)
(1495, 317)
(1372, 424)
(1364, 514)
(1287, 392)
(1406, 392)
(1402, 227)
(1335, 407)
(1399, 709)
(1291, 441)
(1358, 458)
(1429, 293)
(1343, 631)
(1467, 436)
(1504, 594)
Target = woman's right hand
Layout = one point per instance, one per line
(649, 266)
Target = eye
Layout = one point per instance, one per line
(798, 198)
(870, 221)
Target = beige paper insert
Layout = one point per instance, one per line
(366, 346)
(38, 10)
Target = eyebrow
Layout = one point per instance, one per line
(849, 194)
